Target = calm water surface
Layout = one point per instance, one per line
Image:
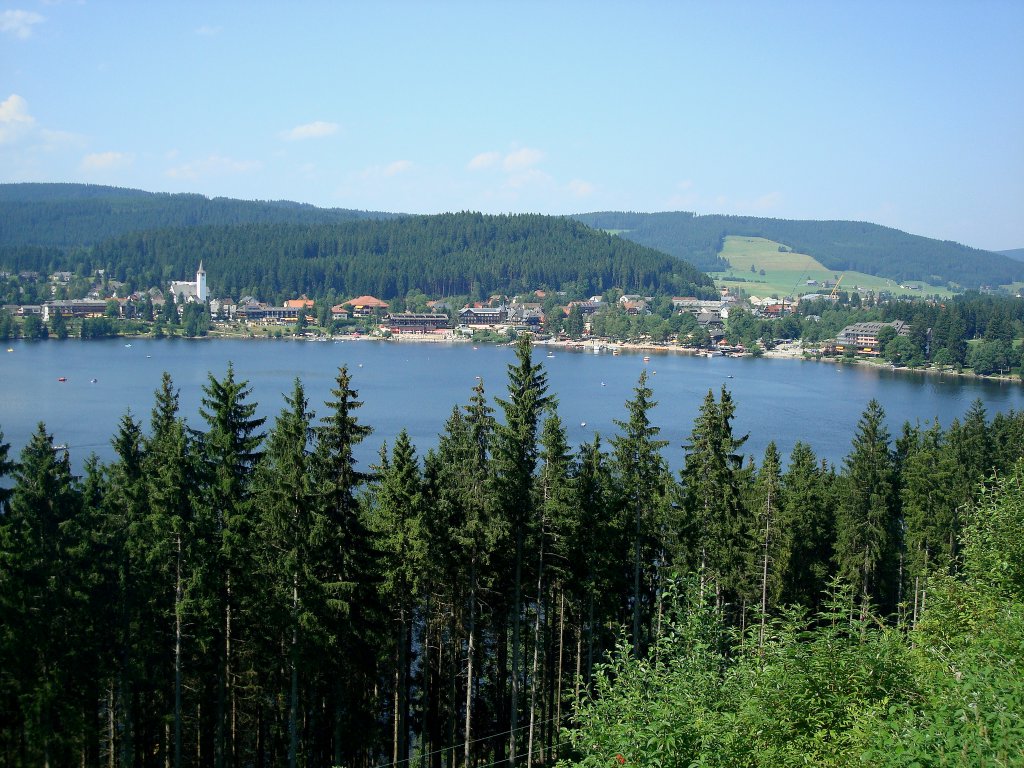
(414, 386)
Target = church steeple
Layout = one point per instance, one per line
(201, 282)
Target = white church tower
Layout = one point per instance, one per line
(201, 283)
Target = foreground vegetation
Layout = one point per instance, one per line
(234, 596)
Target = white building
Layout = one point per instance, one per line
(191, 291)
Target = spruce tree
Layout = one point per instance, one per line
(929, 511)
(642, 480)
(716, 518)
(289, 552)
(42, 611)
(867, 530)
(176, 553)
(515, 458)
(230, 451)
(807, 517)
(397, 518)
(772, 539)
(348, 572)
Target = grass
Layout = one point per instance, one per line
(786, 272)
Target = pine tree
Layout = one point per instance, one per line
(929, 511)
(596, 550)
(41, 608)
(397, 517)
(461, 529)
(807, 516)
(289, 552)
(6, 468)
(641, 477)
(773, 540)
(867, 532)
(348, 572)
(171, 488)
(230, 451)
(717, 520)
(515, 458)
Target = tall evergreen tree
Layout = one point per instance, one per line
(867, 530)
(808, 519)
(42, 611)
(772, 539)
(171, 478)
(642, 480)
(290, 554)
(397, 517)
(348, 566)
(515, 458)
(716, 518)
(929, 511)
(230, 451)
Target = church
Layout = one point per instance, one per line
(184, 290)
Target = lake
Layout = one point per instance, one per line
(414, 386)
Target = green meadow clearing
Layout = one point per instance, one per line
(786, 272)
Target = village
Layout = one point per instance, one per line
(611, 321)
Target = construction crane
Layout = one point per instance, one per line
(835, 288)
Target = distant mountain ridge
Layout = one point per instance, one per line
(838, 245)
(1017, 254)
(70, 215)
(387, 255)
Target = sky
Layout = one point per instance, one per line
(908, 114)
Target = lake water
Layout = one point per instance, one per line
(414, 386)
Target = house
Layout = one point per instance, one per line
(483, 315)
(301, 303)
(416, 322)
(75, 308)
(363, 306)
(526, 314)
(863, 337)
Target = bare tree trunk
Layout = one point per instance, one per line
(178, 599)
(558, 676)
(293, 705)
(536, 652)
(514, 714)
(470, 650)
(764, 569)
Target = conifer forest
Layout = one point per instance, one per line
(246, 593)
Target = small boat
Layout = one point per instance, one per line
(602, 384)
(10, 349)
(583, 423)
(92, 381)
(62, 378)
(127, 345)
(729, 376)
(551, 354)
(647, 359)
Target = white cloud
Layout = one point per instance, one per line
(580, 188)
(103, 161)
(484, 160)
(397, 167)
(14, 118)
(212, 166)
(19, 23)
(522, 158)
(767, 202)
(207, 31)
(315, 130)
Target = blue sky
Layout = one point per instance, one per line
(908, 114)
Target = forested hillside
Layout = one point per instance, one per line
(70, 215)
(839, 245)
(448, 254)
(242, 593)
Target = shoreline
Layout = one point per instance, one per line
(791, 351)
